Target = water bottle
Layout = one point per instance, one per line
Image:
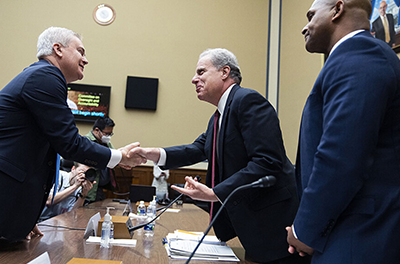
(141, 209)
(151, 213)
(149, 228)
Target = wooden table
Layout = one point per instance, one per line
(64, 244)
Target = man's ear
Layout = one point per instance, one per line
(225, 72)
(57, 49)
(339, 7)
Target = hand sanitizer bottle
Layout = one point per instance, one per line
(106, 230)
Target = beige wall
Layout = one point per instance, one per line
(298, 69)
(152, 38)
(163, 39)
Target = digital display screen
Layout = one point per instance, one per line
(88, 102)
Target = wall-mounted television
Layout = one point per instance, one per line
(141, 93)
(88, 102)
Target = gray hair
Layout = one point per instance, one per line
(51, 36)
(223, 57)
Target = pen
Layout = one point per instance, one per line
(186, 232)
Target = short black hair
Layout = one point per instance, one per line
(103, 122)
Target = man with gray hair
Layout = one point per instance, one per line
(36, 124)
(243, 143)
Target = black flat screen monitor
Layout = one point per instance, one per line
(141, 192)
(88, 102)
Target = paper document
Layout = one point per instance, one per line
(181, 244)
(114, 241)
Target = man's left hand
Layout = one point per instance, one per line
(196, 190)
(34, 232)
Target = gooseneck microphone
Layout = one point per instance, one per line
(264, 182)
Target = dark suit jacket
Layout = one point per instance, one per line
(377, 27)
(35, 124)
(349, 156)
(250, 147)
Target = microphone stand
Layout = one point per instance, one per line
(250, 185)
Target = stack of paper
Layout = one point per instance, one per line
(180, 245)
(114, 241)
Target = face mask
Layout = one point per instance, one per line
(105, 139)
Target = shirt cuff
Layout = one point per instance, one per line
(115, 158)
(218, 198)
(163, 157)
(294, 233)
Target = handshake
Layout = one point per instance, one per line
(133, 155)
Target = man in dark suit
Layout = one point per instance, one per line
(349, 145)
(382, 32)
(36, 124)
(250, 146)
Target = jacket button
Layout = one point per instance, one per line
(50, 163)
(44, 187)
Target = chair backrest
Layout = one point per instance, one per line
(66, 165)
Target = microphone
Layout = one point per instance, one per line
(264, 182)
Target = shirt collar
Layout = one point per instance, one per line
(223, 99)
(350, 35)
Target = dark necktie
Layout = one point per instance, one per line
(214, 156)
(112, 178)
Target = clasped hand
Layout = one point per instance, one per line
(131, 159)
(297, 245)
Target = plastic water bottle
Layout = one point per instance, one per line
(151, 213)
(141, 209)
(112, 231)
(106, 230)
(153, 205)
(149, 228)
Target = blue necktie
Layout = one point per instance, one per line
(56, 181)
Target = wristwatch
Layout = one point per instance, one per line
(81, 195)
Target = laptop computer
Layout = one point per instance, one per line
(141, 193)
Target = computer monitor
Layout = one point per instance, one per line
(88, 102)
(141, 193)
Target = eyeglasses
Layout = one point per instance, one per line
(107, 134)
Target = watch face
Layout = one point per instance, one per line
(104, 14)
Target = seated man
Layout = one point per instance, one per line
(71, 193)
(101, 133)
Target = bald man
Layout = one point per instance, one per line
(347, 167)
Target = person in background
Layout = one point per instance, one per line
(71, 192)
(246, 146)
(383, 26)
(101, 133)
(160, 182)
(349, 145)
(36, 124)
